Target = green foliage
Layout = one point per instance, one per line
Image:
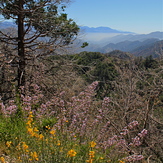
(104, 71)
(47, 122)
(86, 61)
(10, 128)
(84, 44)
(97, 67)
(89, 58)
(149, 62)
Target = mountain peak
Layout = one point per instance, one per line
(101, 29)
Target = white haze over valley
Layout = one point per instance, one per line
(94, 37)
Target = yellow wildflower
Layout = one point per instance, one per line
(52, 132)
(71, 153)
(41, 137)
(25, 146)
(91, 154)
(30, 130)
(8, 143)
(48, 127)
(58, 142)
(92, 144)
(90, 160)
(34, 156)
(35, 129)
(19, 158)
(28, 123)
(2, 160)
(30, 114)
(120, 161)
(34, 134)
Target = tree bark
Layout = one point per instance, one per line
(21, 52)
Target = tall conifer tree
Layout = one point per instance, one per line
(37, 19)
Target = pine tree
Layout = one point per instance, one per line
(36, 19)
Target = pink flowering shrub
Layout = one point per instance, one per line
(133, 158)
(84, 118)
(9, 109)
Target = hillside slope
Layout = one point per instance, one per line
(154, 50)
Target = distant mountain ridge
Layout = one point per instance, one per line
(128, 46)
(101, 30)
(7, 24)
(133, 37)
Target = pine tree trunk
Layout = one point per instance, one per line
(21, 52)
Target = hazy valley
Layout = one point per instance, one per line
(109, 40)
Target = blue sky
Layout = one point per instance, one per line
(139, 16)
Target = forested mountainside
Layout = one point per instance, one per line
(120, 54)
(129, 46)
(152, 49)
(137, 48)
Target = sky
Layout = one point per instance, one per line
(138, 16)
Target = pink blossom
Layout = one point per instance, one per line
(136, 141)
(133, 158)
(125, 131)
(143, 133)
(9, 110)
(132, 124)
